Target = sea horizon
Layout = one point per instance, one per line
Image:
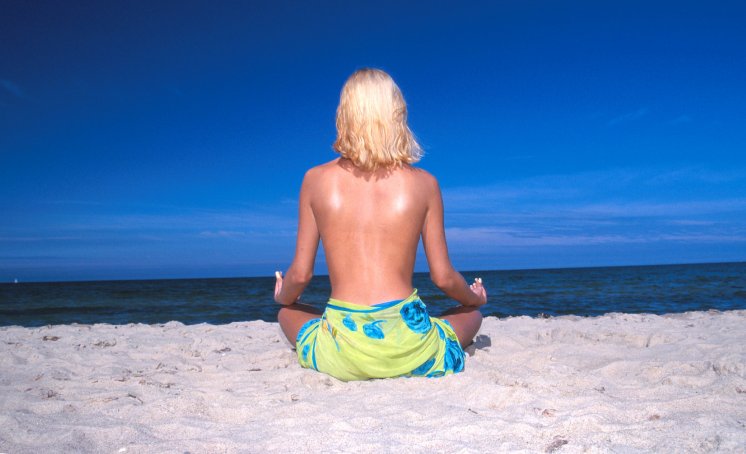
(589, 291)
(462, 271)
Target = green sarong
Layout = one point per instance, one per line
(393, 339)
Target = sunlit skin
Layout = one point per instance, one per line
(370, 224)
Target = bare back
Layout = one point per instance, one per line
(370, 224)
(370, 221)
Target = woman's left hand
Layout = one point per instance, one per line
(278, 286)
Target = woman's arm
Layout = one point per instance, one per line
(442, 273)
(289, 289)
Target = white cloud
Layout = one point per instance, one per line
(690, 222)
(198, 221)
(622, 206)
(658, 210)
(639, 113)
(222, 234)
(620, 188)
(265, 225)
(681, 119)
(486, 238)
(11, 88)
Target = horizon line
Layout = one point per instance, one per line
(16, 282)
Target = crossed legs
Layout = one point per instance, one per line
(293, 317)
(465, 321)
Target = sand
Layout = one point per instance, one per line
(616, 383)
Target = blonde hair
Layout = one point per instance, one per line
(372, 129)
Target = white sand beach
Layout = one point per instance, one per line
(616, 383)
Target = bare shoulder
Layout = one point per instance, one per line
(425, 179)
(315, 173)
(330, 165)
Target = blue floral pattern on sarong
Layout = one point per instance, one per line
(349, 323)
(305, 328)
(424, 367)
(454, 358)
(416, 317)
(372, 329)
(393, 339)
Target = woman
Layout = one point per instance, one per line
(370, 207)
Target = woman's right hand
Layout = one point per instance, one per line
(478, 289)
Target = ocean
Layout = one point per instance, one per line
(550, 292)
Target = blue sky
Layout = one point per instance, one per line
(169, 139)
